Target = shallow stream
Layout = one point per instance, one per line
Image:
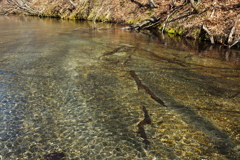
(93, 91)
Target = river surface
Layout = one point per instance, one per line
(92, 91)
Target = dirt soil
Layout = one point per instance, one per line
(215, 20)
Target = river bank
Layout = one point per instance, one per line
(215, 21)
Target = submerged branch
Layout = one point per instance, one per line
(147, 89)
(141, 131)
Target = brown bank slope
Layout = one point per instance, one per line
(214, 20)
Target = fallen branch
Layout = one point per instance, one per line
(144, 24)
(195, 5)
(209, 33)
(234, 43)
(141, 131)
(152, 4)
(213, 11)
(165, 22)
(22, 5)
(152, 25)
(230, 37)
(74, 4)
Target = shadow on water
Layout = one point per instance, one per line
(219, 138)
(200, 48)
(147, 80)
(115, 119)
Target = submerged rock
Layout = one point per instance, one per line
(55, 156)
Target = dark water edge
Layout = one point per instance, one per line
(200, 48)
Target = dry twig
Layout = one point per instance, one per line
(23, 5)
(213, 11)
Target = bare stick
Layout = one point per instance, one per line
(152, 4)
(74, 4)
(209, 33)
(22, 5)
(234, 43)
(165, 22)
(213, 11)
(164, 25)
(230, 37)
(195, 5)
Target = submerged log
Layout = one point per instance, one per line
(141, 131)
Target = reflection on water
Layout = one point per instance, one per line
(80, 88)
(202, 49)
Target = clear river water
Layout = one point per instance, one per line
(81, 90)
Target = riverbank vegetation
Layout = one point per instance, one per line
(217, 21)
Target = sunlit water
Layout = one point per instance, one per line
(80, 87)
